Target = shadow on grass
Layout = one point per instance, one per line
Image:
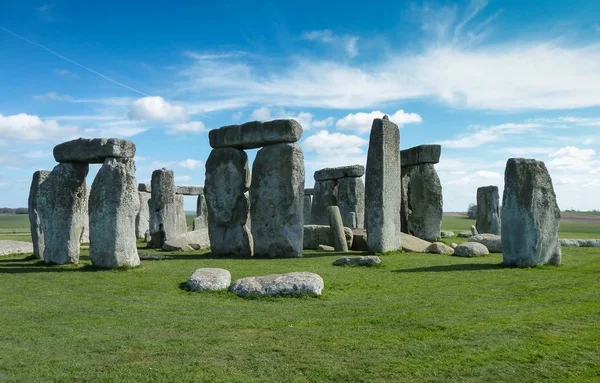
(187, 256)
(458, 267)
(25, 266)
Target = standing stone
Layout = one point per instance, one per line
(422, 202)
(351, 201)
(277, 201)
(488, 210)
(227, 179)
(337, 229)
(85, 234)
(530, 215)
(325, 196)
(167, 218)
(142, 219)
(382, 187)
(61, 207)
(307, 209)
(113, 206)
(37, 233)
(201, 220)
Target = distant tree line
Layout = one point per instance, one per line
(472, 211)
(10, 210)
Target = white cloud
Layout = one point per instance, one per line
(261, 114)
(187, 127)
(156, 109)
(237, 116)
(191, 164)
(53, 96)
(307, 120)
(566, 181)
(573, 159)
(32, 128)
(325, 143)
(64, 73)
(346, 42)
(489, 134)
(183, 179)
(361, 122)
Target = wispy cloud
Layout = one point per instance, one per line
(486, 135)
(347, 43)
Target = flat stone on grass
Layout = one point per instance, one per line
(326, 248)
(293, 284)
(413, 244)
(439, 248)
(470, 249)
(492, 241)
(15, 247)
(209, 279)
(370, 260)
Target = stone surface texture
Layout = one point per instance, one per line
(37, 233)
(382, 187)
(413, 244)
(422, 202)
(530, 215)
(93, 151)
(446, 234)
(307, 209)
(277, 201)
(439, 248)
(209, 279)
(474, 230)
(113, 206)
(337, 229)
(146, 188)
(15, 247)
(470, 249)
(326, 248)
(369, 260)
(492, 241)
(351, 201)
(488, 210)
(315, 235)
(279, 284)
(359, 241)
(167, 217)
(227, 179)
(189, 190)
(422, 154)
(85, 234)
(339, 172)
(192, 240)
(325, 195)
(142, 219)
(255, 134)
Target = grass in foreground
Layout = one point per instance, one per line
(417, 318)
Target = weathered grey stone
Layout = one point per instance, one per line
(488, 210)
(446, 234)
(255, 134)
(351, 201)
(359, 241)
(201, 220)
(339, 172)
(470, 249)
(113, 206)
(37, 233)
(492, 241)
(15, 247)
(325, 196)
(326, 248)
(454, 245)
(279, 284)
(85, 234)
(61, 206)
(422, 202)
(227, 179)
(464, 234)
(192, 240)
(439, 248)
(307, 208)
(589, 242)
(369, 260)
(146, 188)
(474, 230)
(167, 217)
(142, 219)
(309, 191)
(422, 154)
(530, 215)
(277, 201)
(382, 186)
(337, 229)
(189, 190)
(209, 279)
(569, 242)
(413, 244)
(93, 151)
(315, 235)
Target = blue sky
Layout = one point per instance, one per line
(488, 80)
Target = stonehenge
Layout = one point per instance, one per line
(422, 201)
(530, 215)
(37, 234)
(488, 210)
(167, 216)
(269, 220)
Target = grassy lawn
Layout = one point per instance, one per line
(416, 318)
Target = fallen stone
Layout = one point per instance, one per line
(209, 279)
(492, 241)
(369, 260)
(359, 241)
(488, 210)
(422, 154)
(439, 248)
(470, 249)
(113, 206)
(422, 202)
(315, 235)
(454, 245)
(279, 284)
(15, 247)
(192, 240)
(351, 201)
(37, 234)
(337, 229)
(339, 172)
(153, 257)
(464, 234)
(142, 219)
(146, 188)
(62, 208)
(530, 215)
(413, 244)
(589, 242)
(569, 242)
(277, 201)
(382, 187)
(326, 248)
(93, 151)
(255, 134)
(474, 230)
(325, 196)
(189, 190)
(227, 179)
(446, 234)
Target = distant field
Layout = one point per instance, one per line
(14, 223)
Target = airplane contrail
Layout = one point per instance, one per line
(72, 62)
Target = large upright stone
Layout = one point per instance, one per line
(93, 151)
(255, 134)
(351, 201)
(201, 220)
(85, 234)
(337, 229)
(382, 187)
(61, 206)
(142, 219)
(325, 195)
(227, 179)
(307, 209)
(422, 154)
(530, 215)
(113, 206)
(277, 201)
(488, 210)
(37, 233)
(422, 202)
(167, 218)
(339, 172)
